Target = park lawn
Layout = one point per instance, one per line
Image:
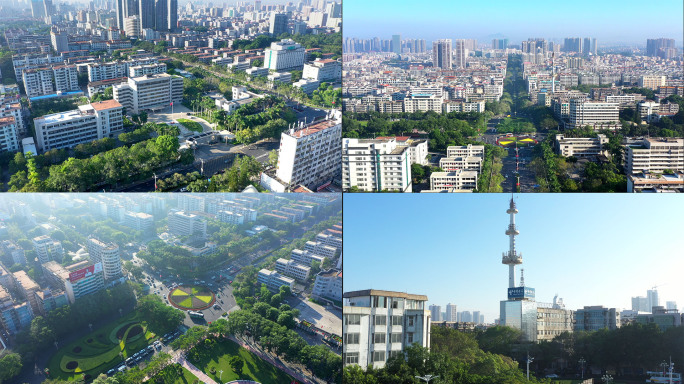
(101, 354)
(187, 378)
(253, 368)
(191, 125)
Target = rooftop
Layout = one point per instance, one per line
(107, 104)
(376, 292)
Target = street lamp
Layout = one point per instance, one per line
(582, 361)
(607, 378)
(664, 365)
(427, 378)
(220, 374)
(529, 360)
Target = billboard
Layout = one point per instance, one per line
(521, 293)
(85, 272)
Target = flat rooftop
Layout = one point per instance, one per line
(377, 292)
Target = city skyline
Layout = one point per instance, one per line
(465, 268)
(435, 20)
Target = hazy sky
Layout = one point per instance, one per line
(607, 20)
(591, 249)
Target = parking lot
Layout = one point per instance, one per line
(326, 318)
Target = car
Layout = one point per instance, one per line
(111, 372)
(150, 348)
(221, 301)
(130, 361)
(137, 359)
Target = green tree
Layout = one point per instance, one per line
(10, 365)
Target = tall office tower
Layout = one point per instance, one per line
(147, 16)
(451, 312)
(460, 53)
(257, 5)
(106, 253)
(436, 312)
(37, 9)
(49, 8)
(466, 317)
(130, 8)
(396, 44)
(381, 324)
(441, 53)
(161, 22)
(653, 46)
(589, 46)
(520, 310)
(334, 10)
(278, 24)
(572, 44)
(172, 18)
(120, 14)
(652, 296)
(476, 317)
(60, 40)
(671, 305)
(499, 43)
(640, 304)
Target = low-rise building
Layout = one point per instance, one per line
(593, 318)
(89, 122)
(305, 257)
(328, 285)
(323, 70)
(375, 165)
(139, 221)
(274, 280)
(453, 164)
(293, 269)
(458, 181)
(149, 92)
(581, 147)
(655, 155)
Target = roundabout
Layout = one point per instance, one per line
(191, 298)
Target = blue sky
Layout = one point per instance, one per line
(607, 20)
(591, 249)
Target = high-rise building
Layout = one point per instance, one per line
(284, 55)
(147, 14)
(379, 324)
(671, 305)
(499, 43)
(396, 44)
(460, 53)
(375, 165)
(598, 115)
(277, 24)
(573, 44)
(451, 312)
(77, 280)
(172, 18)
(640, 304)
(161, 22)
(60, 40)
(132, 26)
(47, 249)
(149, 92)
(436, 312)
(37, 9)
(476, 317)
(108, 254)
(652, 297)
(441, 54)
(656, 47)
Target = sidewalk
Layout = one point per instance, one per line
(195, 371)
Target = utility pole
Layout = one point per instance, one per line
(529, 360)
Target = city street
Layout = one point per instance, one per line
(527, 178)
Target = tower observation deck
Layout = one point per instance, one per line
(512, 257)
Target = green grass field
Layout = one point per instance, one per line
(254, 368)
(191, 125)
(101, 350)
(187, 378)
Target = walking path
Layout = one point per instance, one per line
(195, 371)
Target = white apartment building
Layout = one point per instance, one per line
(89, 122)
(655, 155)
(321, 249)
(597, 115)
(186, 224)
(293, 269)
(418, 148)
(8, 134)
(149, 92)
(453, 164)
(458, 181)
(284, 55)
(330, 240)
(310, 155)
(132, 26)
(457, 106)
(230, 217)
(29, 61)
(423, 102)
(655, 182)
(328, 285)
(375, 165)
(47, 249)
(465, 151)
(649, 111)
(323, 70)
(149, 69)
(307, 85)
(38, 82)
(581, 147)
(305, 257)
(107, 71)
(66, 78)
(139, 221)
(274, 280)
(190, 202)
(380, 324)
(108, 254)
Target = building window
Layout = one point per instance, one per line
(395, 337)
(410, 321)
(395, 353)
(351, 338)
(379, 302)
(379, 338)
(351, 358)
(352, 319)
(409, 337)
(379, 356)
(396, 320)
(380, 320)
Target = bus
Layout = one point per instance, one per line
(196, 315)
